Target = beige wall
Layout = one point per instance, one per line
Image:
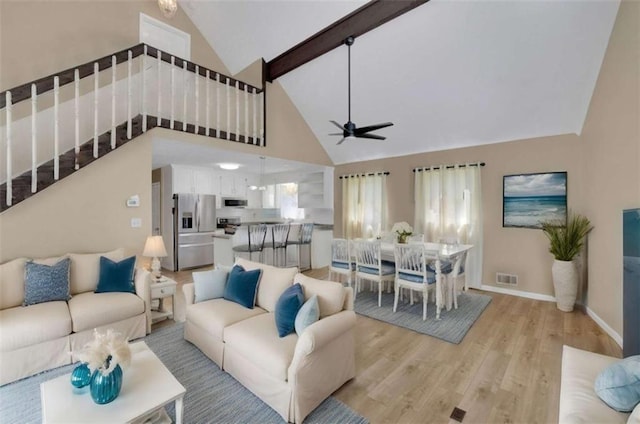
(603, 166)
(85, 212)
(611, 138)
(512, 250)
(38, 38)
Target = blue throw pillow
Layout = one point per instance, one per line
(242, 286)
(44, 283)
(287, 308)
(308, 314)
(209, 284)
(618, 385)
(116, 276)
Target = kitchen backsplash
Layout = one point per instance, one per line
(319, 216)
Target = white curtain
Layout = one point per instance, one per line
(448, 207)
(364, 205)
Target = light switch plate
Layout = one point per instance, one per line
(136, 222)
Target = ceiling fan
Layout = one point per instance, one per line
(349, 130)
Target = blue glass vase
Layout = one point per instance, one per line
(81, 376)
(105, 388)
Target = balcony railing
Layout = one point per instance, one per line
(141, 86)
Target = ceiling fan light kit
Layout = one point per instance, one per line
(168, 7)
(350, 130)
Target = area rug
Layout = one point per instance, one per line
(213, 396)
(452, 326)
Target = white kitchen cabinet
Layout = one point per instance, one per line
(183, 179)
(194, 179)
(223, 251)
(205, 181)
(233, 185)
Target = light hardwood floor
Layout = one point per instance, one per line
(506, 370)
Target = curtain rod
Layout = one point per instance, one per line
(371, 174)
(448, 166)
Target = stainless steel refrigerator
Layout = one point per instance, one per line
(194, 221)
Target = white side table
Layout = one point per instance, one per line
(159, 290)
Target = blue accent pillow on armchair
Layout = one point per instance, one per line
(44, 283)
(287, 308)
(308, 314)
(242, 286)
(618, 385)
(116, 276)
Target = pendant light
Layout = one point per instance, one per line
(261, 187)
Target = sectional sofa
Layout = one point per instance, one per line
(42, 336)
(292, 374)
(579, 402)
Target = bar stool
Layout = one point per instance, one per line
(305, 232)
(280, 236)
(255, 241)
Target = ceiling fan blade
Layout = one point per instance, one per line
(337, 133)
(363, 130)
(340, 142)
(373, 136)
(337, 125)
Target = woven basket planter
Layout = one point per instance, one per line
(565, 284)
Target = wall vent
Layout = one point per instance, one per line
(506, 279)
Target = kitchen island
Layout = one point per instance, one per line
(223, 253)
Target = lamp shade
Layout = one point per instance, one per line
(154, 247)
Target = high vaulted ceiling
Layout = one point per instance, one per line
(448, 74)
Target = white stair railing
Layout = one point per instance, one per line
(150, 89)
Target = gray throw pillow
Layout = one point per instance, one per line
(44, 283)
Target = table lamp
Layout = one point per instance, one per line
(154, 248)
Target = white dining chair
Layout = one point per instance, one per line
(369, 266)
(341, 260)
(457, 279)
(413, 273)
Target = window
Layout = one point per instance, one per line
(285, 197)
(448, 208)
(364, 205)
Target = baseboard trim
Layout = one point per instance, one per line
(519, 293)
(547, 298)
(610, 331)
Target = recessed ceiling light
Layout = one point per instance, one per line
(229, 166)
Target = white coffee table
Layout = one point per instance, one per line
(147, 386)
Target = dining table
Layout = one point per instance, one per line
(442, 252)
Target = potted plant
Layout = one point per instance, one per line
(565, 242)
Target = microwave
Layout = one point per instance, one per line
(234, 202)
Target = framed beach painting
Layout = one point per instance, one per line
(530, 199)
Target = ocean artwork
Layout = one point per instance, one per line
(530, 199)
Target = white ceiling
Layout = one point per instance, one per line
(448, 74)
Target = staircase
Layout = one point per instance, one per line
(163, 91)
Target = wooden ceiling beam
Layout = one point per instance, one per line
(360, 21)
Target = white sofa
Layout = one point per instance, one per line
(39, 337)
(293, 374)
(579, 402)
